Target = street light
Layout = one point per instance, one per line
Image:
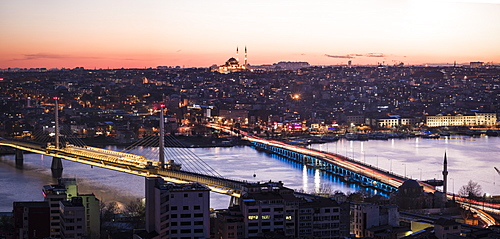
(390, 160)
(453, 182)
(405, 168)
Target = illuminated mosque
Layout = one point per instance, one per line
(233, 65)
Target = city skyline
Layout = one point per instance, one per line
(107, 34)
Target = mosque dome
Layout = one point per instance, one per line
(411, 184)
(232, 61)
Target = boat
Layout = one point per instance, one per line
(444, 133)
(492, 132)
(329, 138)
(297, 141)
(356, 136)
(351, 136)
(378, 135)
(431, 136)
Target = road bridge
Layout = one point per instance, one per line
(335, 164)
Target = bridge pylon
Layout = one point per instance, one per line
(19, 158)
(56, 167)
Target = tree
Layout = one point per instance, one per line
(135, 208)
(109, 210)
(470, 190)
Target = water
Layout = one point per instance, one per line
(468, 159)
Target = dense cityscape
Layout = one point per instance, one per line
(288, 101)
(103, 101)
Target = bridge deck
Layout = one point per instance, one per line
(128, 163)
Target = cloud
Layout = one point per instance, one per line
(43, 56)
(375, 55)
(337, 56)
(38, 56)
(349, 56)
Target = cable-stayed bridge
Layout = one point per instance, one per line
(130, 163)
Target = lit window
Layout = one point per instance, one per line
(288, 217)
(253, 217)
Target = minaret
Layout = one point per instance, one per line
(445, 175)
(237, 54)
(245, 55)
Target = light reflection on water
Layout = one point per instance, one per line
(468, 158)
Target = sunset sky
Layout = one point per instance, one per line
(189, 33)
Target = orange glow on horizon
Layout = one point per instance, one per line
(99, 34)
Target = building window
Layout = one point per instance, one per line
(200, 195)
(173, 208)
(185, 195)
(185, 215)
(254, 217)
(185, 208)
(185, 223)
(197, 207)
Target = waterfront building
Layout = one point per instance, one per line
(355, 119)
(72, 218)
(176, 210)
(486, 119)
(394, 121)
(31, 220)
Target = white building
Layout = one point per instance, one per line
(177, 210)
(486, 119)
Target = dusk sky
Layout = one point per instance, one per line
(189, 33)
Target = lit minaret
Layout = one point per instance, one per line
(245, 55)
(445, 175)
(237, 54)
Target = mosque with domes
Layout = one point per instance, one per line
(233, 65)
